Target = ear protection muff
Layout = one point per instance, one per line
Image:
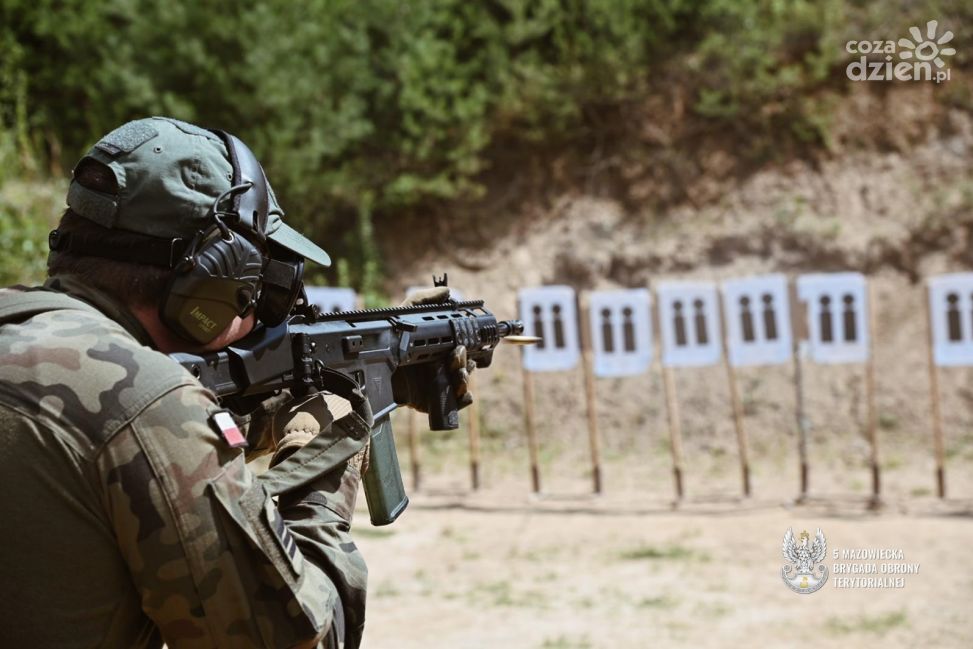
(231, 267)
(214, 284)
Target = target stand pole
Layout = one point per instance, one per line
(741, 433)
(535, 473)
(675, 429)
(799, 333)
(594, 438)
(936, 412)
(672, 403)
(873, 433)
(872, 423)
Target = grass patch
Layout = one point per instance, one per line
(888, 421)
(502, 593)
(373, 533)
(534, 555)
(876, 624)
(893, 462)
(674, 552)
(663, 602)
(565, 642)
(713, 610)
(499, 593)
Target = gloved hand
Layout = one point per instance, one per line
(410, 385)
(432, 295)
(255, 416)
(296, 423)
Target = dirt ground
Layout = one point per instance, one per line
(502, 568)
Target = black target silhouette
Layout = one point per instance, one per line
(628, 329)
(770, 318)
(558, 327)
(700, 321)
(848, 318)
(953, 321)
(827, 335)
(679, 323)
(539, 326)
(746, 320)
(607, 335)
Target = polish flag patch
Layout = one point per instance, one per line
(226, 426)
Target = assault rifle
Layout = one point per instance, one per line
(368, 347)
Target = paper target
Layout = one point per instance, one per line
(689, 317)
(330, 299)
(951, 306)
(621, 331)
(758, 322)
(550, 313)
(837, 316)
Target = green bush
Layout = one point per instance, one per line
(360, 109)
(758, 61)
(28, 211)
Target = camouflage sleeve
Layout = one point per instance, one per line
(320, 517)
(214, 561)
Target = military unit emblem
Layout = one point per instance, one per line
(804, 573)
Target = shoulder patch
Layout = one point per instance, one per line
(224, 424)
(127, 137)
(283, 536)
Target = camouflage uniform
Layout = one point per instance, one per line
(128, 520)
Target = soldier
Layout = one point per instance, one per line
(130, 517)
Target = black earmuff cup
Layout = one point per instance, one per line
(205, 295)
(201, 308)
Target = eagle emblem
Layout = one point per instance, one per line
(803, 572)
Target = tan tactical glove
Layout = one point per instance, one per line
(298, 422)
(408, 384)
(433, 295)
(255, 416)
(462, 368)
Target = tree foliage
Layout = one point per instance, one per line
(360, 108)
